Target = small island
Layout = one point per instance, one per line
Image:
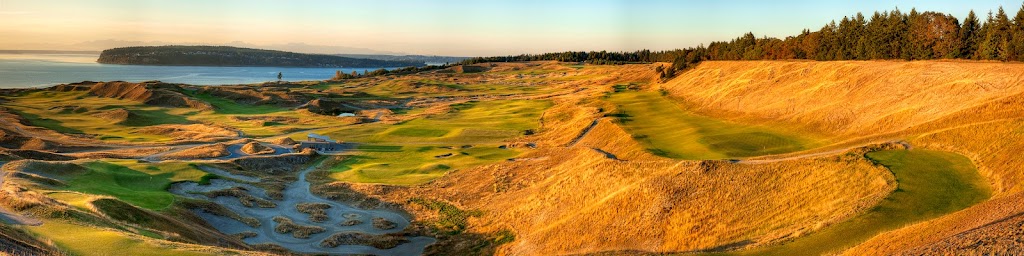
(238, 57)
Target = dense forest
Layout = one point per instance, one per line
(233, 56)
(414, 58)
(885, 35)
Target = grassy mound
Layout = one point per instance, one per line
(256, 148)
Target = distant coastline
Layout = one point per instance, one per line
(226, 56)
(46, 52)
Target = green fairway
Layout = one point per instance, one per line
(86, 240)
(405, 88)
(415, 164)
(931, 184)
(46, 109)
(423, 149)
(227, 106)
(669, 131)
(140, 184)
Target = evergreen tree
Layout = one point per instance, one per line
(1016, 45)
(970, 33)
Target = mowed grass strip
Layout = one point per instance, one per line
(86, 241)
(140, 184)
(931, 184)
(471, 122)
(669, 131)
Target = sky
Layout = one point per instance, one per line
(442, 27)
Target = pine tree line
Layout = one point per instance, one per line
(883, 36)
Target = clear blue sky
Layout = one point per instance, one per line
(481, 27)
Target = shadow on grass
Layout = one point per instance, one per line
(36, 120)
(154, 117)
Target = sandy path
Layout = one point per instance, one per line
(585, 131)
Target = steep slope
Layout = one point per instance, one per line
(844, 97)
(589, 188)
(972, 108)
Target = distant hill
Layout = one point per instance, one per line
(414, 58)
(234, 56)
(46, 52)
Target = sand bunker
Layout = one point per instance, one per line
(303, 222)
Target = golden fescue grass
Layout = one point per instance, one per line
(993, 146)
(577, 200)
(604, 192)
(972, 108)
(844, 97)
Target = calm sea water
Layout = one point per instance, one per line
(35, 70)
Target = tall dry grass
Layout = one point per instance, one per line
(567, 200)
(973, 108)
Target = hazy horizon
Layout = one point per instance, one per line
(452, 28)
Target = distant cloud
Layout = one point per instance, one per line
(13, 13)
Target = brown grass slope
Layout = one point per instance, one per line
(844, 97)
(150, 93)
(972, 108)
(570, 200)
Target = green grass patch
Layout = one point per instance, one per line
(140, 184)
(418, 132)
(669, 131)
(43, 109)
(406, 88)
(85, 240)
(37, 120)
(414, 165)
(423, 149)
(227, 106)
(931, 184)
(379, 148)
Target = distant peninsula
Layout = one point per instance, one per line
(238, 57)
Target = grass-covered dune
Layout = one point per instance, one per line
(540, 158)
(972, 108)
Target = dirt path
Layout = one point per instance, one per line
(584, 132)
(905, 144)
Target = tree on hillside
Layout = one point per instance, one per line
(933, 36)
(886, 35)
(970, 36)
(1016, 46)
(994, 42)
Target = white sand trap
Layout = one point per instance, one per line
(295, 193)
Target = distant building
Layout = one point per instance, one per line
(313, 137)
(321, 143)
